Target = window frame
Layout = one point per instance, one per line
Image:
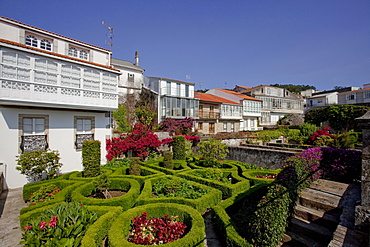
(22, 135)
(80, 136)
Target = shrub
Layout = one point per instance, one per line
(177, 126)
(116, 163)
(134, 166)
(39, 164)
(155, 231)
(341, 165)
(44, 194)
(102, 183)
(320, 137)
(62, 225)
(91, 158)
(346, 140)
(178, 147)
(175, 187)
(212, 151)
(167, 160)
(307, 129)
(268, 135)
(120, 116)
(140, 141)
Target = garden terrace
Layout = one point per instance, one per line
(233, 203)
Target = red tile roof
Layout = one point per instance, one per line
(55, 54)
(359, 90)
(213, 98)
(43, 30)
(238, 94)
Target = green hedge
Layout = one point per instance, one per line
(63, 195)
(223, 223)
(79, 175)
(146, 173)
(125, 201)
(99, 230)
(91, 158)
(122, 225)
(251, 175)
(240, 184)
(224, 165)
(201, 204)
(179, 166)
(178, 147)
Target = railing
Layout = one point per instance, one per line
(209, 115)
(38, 93)
(80, 138)
(32, 143)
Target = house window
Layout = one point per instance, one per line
(41, 43)
(130, 77)
(178, 91)
(33, 132)
(168, 88)
(367, 94)
(201, 111)
(351, 97)
(187, 91)
(232, 127)
(224, 127)
(211, 112)
(84, 129)
(72, 52)
(319, 101)
(200, 126)
(45, 44)
(31, 41)
(83, 55)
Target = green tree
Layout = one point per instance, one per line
(294, 88)
(341, 117)
(145, 115)
(120, 116)
(212, 151)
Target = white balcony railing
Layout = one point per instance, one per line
(32, 93)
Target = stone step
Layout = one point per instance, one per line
(310, 230)
(331, 187)
(319, 200)
(326, 219)
(292, 239)
(344, 236)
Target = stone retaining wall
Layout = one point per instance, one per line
(263, 157)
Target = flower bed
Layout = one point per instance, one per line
(193, 220)
(261, 176)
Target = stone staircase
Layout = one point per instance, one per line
(324, 216)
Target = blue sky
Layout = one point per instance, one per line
(323, 43)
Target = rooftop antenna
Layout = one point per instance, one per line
(109, 35)
(187, 77)
(200, 85)
(225, 83)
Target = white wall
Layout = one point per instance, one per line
(60, 137)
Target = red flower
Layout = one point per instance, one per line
(26, 228)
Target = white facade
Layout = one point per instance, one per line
(251, 109)
(176, 98)
(55, 92)
(321, 100)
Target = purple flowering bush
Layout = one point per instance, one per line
(341, 165)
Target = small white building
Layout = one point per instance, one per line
(321, 100)
(55, 92)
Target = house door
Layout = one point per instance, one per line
(211, 128)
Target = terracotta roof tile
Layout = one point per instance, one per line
(359, 90)
(213, 98)
(238, 94)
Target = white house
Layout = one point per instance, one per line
(321, 100)
(355, 97)
(251, 110)
(55, 92)
(176, 98)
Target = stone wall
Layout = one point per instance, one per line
(263, 157)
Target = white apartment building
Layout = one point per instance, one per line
(175, 98)
(55, 92)
(276, 102)
(251, 107)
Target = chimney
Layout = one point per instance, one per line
(136, 58)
